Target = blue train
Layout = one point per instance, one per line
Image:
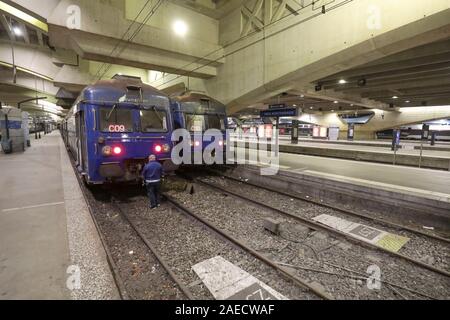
(198, 113)
(115, 124)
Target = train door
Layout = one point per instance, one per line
(81, 141)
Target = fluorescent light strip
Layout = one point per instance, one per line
(9, 65)
(23, 16)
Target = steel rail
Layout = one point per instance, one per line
(343, 210)
(160, 259)
(317, 226)
(297, 280)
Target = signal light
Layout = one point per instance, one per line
(117, 150)
(158, 148)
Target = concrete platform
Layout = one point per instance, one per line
(407, 156)
(47, 236)
(424, 181)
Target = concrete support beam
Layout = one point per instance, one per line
(99, 48)
(7, 27)
(301, 49)
(382, 119)
(29, 82)
(331, 95)
(107, 28)
(34, 59)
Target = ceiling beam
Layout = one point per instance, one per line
(395, 82)
(7, 27)
(389, 74)
(25, 35)
(389, 67)
(400, 85)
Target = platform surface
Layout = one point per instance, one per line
(424, 180)
(440, 150)
(46, 231)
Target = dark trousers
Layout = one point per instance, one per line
(153, 189)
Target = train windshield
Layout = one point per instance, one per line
(203, 122)
(116, 119)
(153, 120)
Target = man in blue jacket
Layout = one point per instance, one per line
(152, 173)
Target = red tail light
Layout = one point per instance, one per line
(117, 150)
(158, 148)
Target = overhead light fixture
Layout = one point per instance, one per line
(394, 97)
(407, 101)
(335, 102)
(294, 105)
(311, 108)
(180, 28)
(17, 31)
(302, 96)
(351, 105)
(342, 81)
(332, 110)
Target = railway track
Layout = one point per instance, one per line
(153, 250)
(291, 276)
(346, 211)
(242, 196)
(318, 226)
(211, 236)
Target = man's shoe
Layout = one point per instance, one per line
(152, 207)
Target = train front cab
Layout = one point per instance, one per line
(198, 116)
(115, 140)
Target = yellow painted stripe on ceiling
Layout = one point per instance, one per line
(23, 16)
(9, 65)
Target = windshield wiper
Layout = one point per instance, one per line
(110, 113)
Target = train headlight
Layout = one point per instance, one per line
(166, 147)
(197, 143)
(220, 143)
(158, 148)
(106, 150)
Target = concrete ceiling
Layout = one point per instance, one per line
(212, 8)
(415, 77)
